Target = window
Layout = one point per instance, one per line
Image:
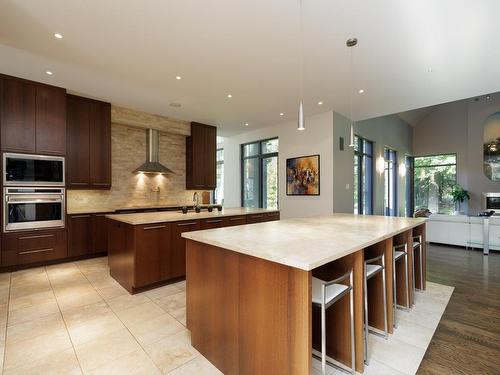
(219, 190)
(259, 167)
(391, 182)
(434, 178)
(363, 176)
(409, 200)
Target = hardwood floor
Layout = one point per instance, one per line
(467, 340)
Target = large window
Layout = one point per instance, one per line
(259, 167)
(363, 176)
(219, 190)
(409, 197)
(434, 178)
(391, 182)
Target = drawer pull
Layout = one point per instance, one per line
(257, 216)
(236, 218)
(36, 251)
(186, 224)
(155, 227)
(35, 237)
(80, 216)
(214, 221)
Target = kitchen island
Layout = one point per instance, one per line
(146, 249)
(249, 299)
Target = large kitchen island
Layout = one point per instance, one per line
(249, 304)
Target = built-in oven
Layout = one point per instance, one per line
(33, 208)
(491, 202)
(32, 170)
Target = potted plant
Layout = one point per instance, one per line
(459, 195)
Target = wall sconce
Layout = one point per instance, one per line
(402, 170)
(380, 164)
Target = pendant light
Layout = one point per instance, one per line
(351, 42)
(300, 120)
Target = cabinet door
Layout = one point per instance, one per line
(78, 140)
(210, 167)
(235, 220)
(212, 223)
(150, 240)
(50, 120)
(99, 233)
(79, 235)
(17, 109)
(201, 148)
(272, 216)
(178, 259)
(100, 145)
(256, 218)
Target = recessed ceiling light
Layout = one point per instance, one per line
(175, 105)
(282, 114)
(178, 78)
(229, 96)
(361, 91)
(320, 103)
(58, 36)
(48, 72)
(246, 123)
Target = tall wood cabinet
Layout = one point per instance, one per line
(33, 117)
(88, 161)
(201, 149)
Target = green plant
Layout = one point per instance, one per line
(459, 194)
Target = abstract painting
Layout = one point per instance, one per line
(491, 147)
(302, 175)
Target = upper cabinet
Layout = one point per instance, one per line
(33, 117)
(201, 148)
(88, 161)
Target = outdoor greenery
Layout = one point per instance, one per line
(435, 178)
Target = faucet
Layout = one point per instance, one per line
(196, 198)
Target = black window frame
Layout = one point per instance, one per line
(360, 154)
(260, 156)
(391, 181)
(410, 185)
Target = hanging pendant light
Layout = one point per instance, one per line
(351, 42)
(300, 120)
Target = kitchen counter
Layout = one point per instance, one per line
(163, 217)
(306, 243)
(111, 210)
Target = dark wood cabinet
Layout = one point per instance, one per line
(235, 220)
(99, 233)
(50, 120)
(218, 222)
(79, 234)
(178, 244)
(201, 149)
(33, 117)
(256, 218)
(88, 161)
(34, 246)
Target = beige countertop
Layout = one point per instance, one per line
(306, 243)
(111, 210)
(162, 217)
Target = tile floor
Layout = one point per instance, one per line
(73, 318)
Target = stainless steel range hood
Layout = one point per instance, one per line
(152, 164)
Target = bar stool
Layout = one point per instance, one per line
(417, 247)
(370, 271)
(325, 294)
(398, 255)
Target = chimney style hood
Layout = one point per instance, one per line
(152, 164)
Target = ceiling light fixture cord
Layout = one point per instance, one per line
(300, 120)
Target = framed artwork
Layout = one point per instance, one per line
(302, 175)
(491, 147)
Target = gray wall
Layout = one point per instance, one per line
(457, 127)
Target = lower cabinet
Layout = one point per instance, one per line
(87, 234)
(178, 244)
(33, 246)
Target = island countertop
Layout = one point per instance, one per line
(166, 216)
(306, 243)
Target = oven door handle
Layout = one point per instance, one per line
(34, 200)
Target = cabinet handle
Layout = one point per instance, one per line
(80, 216)
(155, 227)
(36, 251)
(100, 215)
(213, 221)
(199, 185)
(186, 224)
(236, 218)
(38, 236)
(257, 216)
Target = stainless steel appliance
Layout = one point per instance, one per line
(491, 202)
(33, 208)
(32, 170)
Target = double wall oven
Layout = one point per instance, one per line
(34, 194)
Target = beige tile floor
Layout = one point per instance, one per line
(73, 318)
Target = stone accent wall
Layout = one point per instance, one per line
(128, 152)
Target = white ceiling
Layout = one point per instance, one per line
(411, 54)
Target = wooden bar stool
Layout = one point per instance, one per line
(418, 248)
(325, 294)
(396, 256)
(370, 271)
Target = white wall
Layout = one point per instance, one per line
(316, 139)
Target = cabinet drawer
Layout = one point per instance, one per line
(256, 218)
(235, 220)
(216, 222)
(33, 246)
(271, 216)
